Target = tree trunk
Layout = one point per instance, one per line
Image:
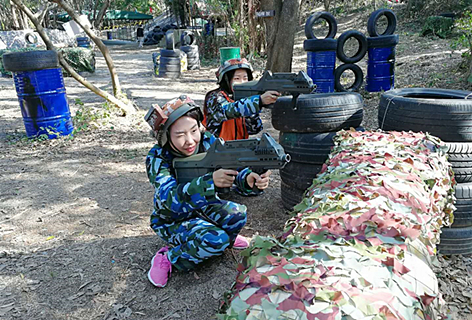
(101, 14)
(126, 107)
(280, 31)
(103, 48)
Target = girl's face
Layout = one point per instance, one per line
(240, 76)
(185, 135)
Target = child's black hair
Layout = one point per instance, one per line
(225, 85)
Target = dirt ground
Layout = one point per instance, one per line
(75, 241)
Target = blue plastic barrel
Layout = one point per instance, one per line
(43, 102)
(381, 63)
(83, 42)
(320, 68)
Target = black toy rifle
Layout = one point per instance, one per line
(283, 82)
(259, 155)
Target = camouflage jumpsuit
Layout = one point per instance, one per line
(220, 108)
(181, 211)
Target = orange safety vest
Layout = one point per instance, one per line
(234, 129)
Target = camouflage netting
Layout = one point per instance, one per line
(17, 39)
(361, 243)
(80, 59)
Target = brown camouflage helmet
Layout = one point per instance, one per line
(234, 64)
(160, 119)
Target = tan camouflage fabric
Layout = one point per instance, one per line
(361, 243)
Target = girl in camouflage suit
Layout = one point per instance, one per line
(190, 216)
(229, 119)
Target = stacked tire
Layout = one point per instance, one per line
(187, 40)
(306, 133)
(157, 33)
(321, 53)
(381, 52)
(350, 61)
(446, 114)
(169, 64)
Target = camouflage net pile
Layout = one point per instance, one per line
(361, 243)
(80, 59)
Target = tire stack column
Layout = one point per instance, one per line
(446, 114)
(169, 62)
(306, 133)
(381, 52)
(349, 61)
(321, 53)
(187, 40)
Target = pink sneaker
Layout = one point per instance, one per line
(240, 243)
(160, 268)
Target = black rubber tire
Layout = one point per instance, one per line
(455, 241)
(170, 53)
(320, 45)
(169, 60)
(460, 157)
(170, 42)
(193, 67)
(463, 213)
(31, 38)
(193, 61)
(359, 78)
(169, 67)
(187, 38)
(188, 49)
(311, 148)
(383, 41)
(192, 55)
(169, 74)
(374, 17)
(290, 196)
(446, 114)
(299, 175)
(333, 25)
(30, 60)
(361, 39)
(325, 112)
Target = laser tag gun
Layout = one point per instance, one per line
(283, 82)
(259, 155)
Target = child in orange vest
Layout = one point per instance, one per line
(229, 119)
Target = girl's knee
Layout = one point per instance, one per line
(215, 240)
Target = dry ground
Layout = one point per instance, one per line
(75, 241)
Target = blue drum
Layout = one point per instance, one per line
(320, 68)
(381, 63)
(43, 102)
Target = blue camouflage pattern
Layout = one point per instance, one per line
(218, 110)
(182, 212)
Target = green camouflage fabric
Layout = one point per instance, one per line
(190, 216)
(218, 110)
(361, 243)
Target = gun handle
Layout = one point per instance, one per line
(255, 189)
(223, 190)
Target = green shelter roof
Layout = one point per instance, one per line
(111, 15)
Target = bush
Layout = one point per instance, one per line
(438, 26)
(464, 26)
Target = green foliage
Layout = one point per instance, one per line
(464, 26)
(87, 118)
(140, 5)
(438, 26)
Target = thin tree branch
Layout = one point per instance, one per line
(127, 108)
(103, 48)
